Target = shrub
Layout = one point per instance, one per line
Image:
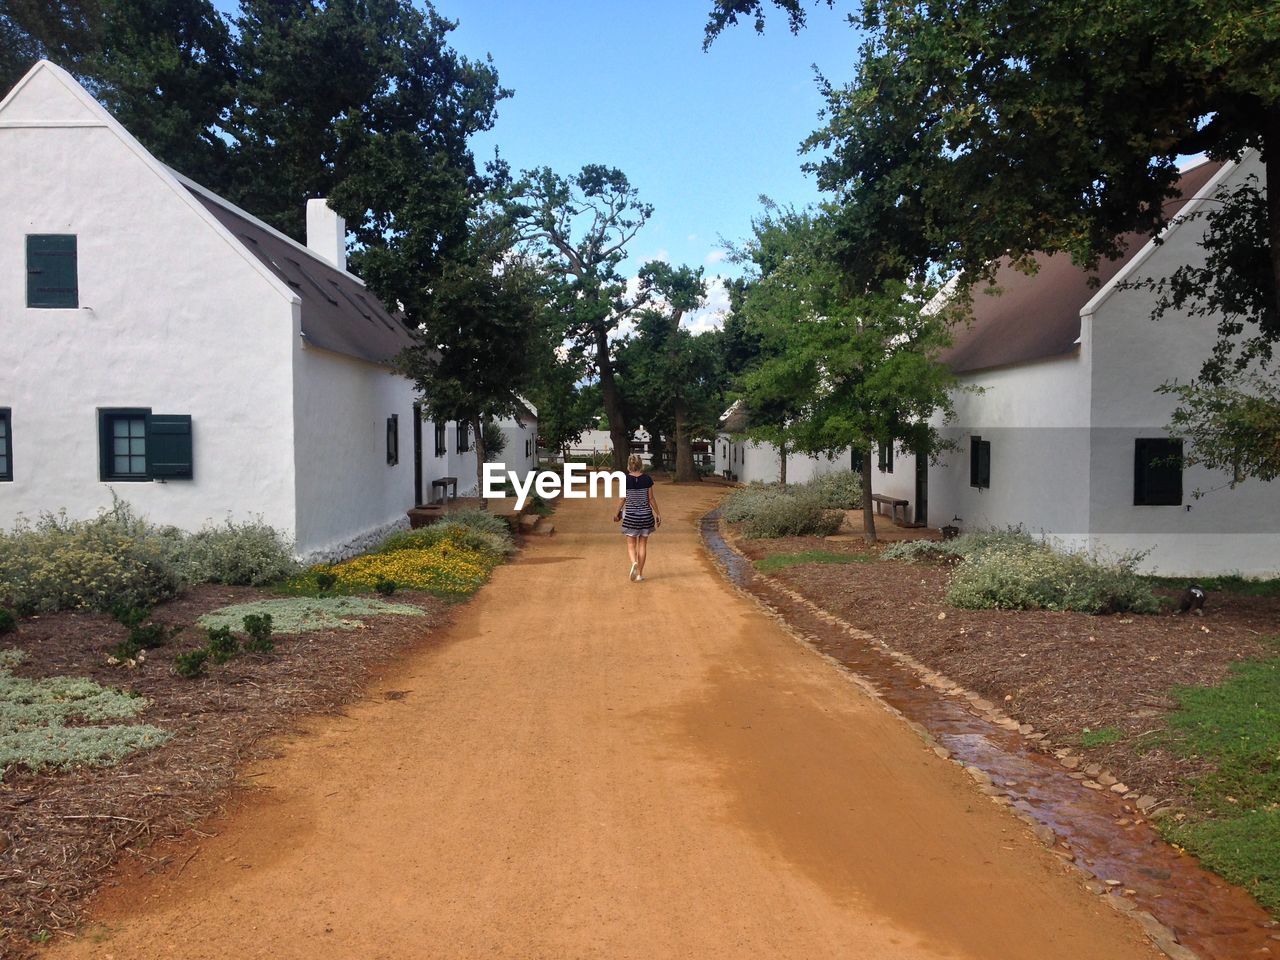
(385, 587)
(836, 491)
(325, 580)
(129, 616)
(191, 664)
(53, 745)
(222, 644)
(792, 517)
(141, 637)
(495, 544)
(61, 564)
(1031, 576)
(445, 568)
(480, 520)
(745, 502)
(257, 628)
(243, 554)
(8, 621)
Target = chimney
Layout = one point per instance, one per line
(326, 233)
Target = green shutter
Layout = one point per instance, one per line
(51, 271)
(169, 447)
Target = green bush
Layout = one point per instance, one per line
(242, 554)
(792, 517)
(62, 564)
(476, 530)
(836, 491)
(119, 563)
(1032, 576)
(325, 580)
(191, 664)
(769, 510)
(141, 637)
(385, 587)
(964, 546)
(222, 644)
(8, 621)
(257, 628)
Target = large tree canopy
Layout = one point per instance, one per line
(976, 131)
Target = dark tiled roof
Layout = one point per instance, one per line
(1037, 316)
(338, 313)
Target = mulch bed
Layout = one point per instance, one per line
(62, 831)
(1059, 672)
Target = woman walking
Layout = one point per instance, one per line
(639, 515)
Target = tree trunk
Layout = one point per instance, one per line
(478, 431)
(868, 509)
(685, 470)
(619, 435)
(1271, 146)
(782, 463)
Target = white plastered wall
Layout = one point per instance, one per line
(174, 317)
(1225, 530)
(348, 495)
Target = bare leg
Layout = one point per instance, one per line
(641, 551)
(631, 549)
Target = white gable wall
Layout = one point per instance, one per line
(173, 317)
(521, 435)
(1226, 529)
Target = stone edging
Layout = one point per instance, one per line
(1093, 777)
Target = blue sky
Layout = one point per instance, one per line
(701, 135)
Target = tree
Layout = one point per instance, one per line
(365, 104)
(972, 132)
(676, 291)
(162, 67)
(479, 336)
(854, 369)
(581, 225)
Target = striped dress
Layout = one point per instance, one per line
(637, 515)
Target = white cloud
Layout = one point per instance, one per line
(715, 256)
(712, 314)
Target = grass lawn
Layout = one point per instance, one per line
(780, 561)
(1234, 824)
(1227, 583)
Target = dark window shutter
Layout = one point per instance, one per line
(6, 445)
(979, 463)
(51, 271)
(393, 439)
(169, 447)
(1157, 472)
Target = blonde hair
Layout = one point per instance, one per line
(635, 463)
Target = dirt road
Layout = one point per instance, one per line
(591, 768)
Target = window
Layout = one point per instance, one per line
(886, 458)
(6, 444)
(51, 271)
(393, 439)
(442, 446)
(464, 437)
(528, 447)
(979, 463)
(1157, 472)
(137, 445)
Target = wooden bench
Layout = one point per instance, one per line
(893, 503)
(445, 484)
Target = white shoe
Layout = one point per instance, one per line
(632, 572)
(638, 578)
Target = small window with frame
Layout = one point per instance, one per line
(464, 437)
(442, 443)
(1157, 472)
(52, 272)
(886, 458)
(123, 444)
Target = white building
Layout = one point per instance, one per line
(753, 461)
(161, 345)
(521, 432)
(1069, 437)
